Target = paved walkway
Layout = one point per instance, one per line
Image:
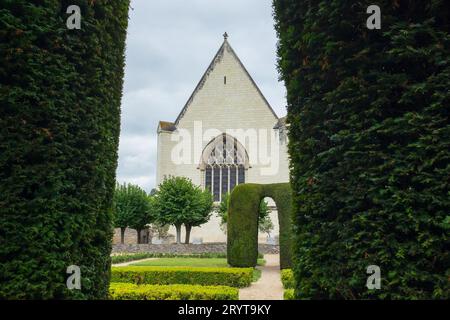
(269, 286)
(124, 264)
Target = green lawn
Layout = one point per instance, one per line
(188, 262)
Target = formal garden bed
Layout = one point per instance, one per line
(205, 276)
(130, 291)
(233, 277)
(127, 257)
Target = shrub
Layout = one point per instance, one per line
(287, 278)
(288, 294)
(60, 93)
(369, 146)
(242, 222)
(129, 291)
(233, 277)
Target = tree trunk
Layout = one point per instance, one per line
(122, 235)
(178, 233)
(188, 233)
(138, 231)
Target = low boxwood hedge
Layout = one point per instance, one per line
(233, 277)
(130, 291)
(289, 294)
(287, 278)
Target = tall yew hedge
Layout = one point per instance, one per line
(369, 143)
(60, 93)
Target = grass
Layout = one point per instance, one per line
(184, 262)
(127, 257)
(188, 262)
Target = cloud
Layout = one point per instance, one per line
(169, 46)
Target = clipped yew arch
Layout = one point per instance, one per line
(242, 224)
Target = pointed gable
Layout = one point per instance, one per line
(225, 49)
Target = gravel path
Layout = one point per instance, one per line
(124, 264)
(269, 286)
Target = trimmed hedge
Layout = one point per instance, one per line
(242, 224)
(287, 278)
(60, 94)
(369, 142)
(233, 277)
(129, 291)
(288, 294)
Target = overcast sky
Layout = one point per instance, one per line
(169, 46)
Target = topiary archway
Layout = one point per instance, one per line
(242, 222)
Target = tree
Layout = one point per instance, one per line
(178, 201)
(122, 209)
(264, 222)
(201, 211)
(141, 207)
(369, 146)
(60, 95)
(132, 209)
(222, 211)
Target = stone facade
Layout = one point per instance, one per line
(226, 101)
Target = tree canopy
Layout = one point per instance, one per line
(178, 201)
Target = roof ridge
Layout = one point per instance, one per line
(217, 58)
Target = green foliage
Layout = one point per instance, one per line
(233, 277)
(264, 223)
(287, 278)
(202, 208)
(60, 93)
(178, 201)
(141, 209)
(369, 146)
(122, 206)
(289, 294)
(129, 291)
(174, 200)
(132, 207)
(243, 217)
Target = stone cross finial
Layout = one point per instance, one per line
(225, 36)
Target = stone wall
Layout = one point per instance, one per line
(185, 248)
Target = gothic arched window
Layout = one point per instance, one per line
(224, 162)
